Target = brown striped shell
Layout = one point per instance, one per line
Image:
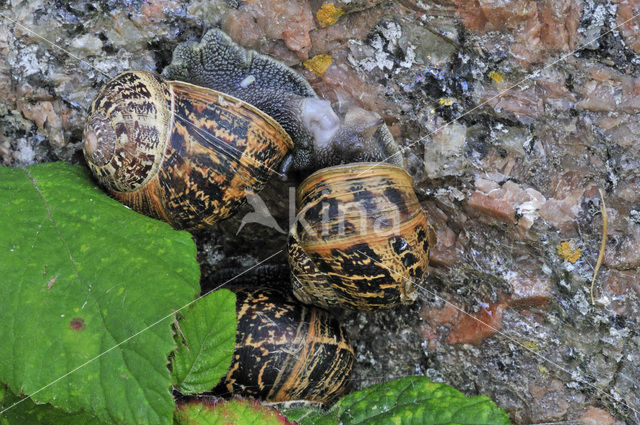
(178, 152)
(360, 239)
(286, 351)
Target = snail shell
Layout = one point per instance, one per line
(178, 152)
(360, 239)
(286, 351)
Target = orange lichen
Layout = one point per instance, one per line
(328, 14)
(531, 345)
(318, 64)
(568, 253)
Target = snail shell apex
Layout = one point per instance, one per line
(123, 141)
(360, 239)
(178, 152)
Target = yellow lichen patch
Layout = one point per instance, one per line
(318, 64)
(496, 77)
(446, 101)
(568, 253)
(328, 14)
(531, 345)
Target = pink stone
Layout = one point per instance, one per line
(596, 416)
(287, 20)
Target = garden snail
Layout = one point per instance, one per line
(322, 138)
(360, 238)
(179, 152)
(286, 351)
(188, 154)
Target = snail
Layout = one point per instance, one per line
(321, 136)
(179, 152)
(286, 351)
(188, 152)
(360, 239)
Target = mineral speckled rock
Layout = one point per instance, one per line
(539, 130)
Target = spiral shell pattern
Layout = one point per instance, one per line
(178, 152)
(286, 351)
(360, 239)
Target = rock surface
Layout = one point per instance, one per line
(514, 114)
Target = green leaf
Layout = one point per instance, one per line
(88, 291)
(26, 412)
(312, 415)
(237, 412)
(412, 400)
(206, 340)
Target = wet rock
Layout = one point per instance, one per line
(531, 287)
(213, 12)
(550, 401)
(564, 205)
(446, 252)
(473, 329)
(621, 290)
(46, 112)
(538, 27)
(87, 44)
(625, 254)
(596, 416)
(610, 91)
(529, 98)
(349, 30)
(289, 21)
(123, 31)
(444, 151)
(489, 15)
(521, 102)
(629, 23)
(507, 201)
(341, 84)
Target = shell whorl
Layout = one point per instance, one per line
(360, 240)
(286, 351)
(126, 133)
(182, 153)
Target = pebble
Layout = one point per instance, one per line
(597, 416)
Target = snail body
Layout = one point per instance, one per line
(360, 239)
(286, 351)
(178, 152)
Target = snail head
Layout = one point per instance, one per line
(352, 134)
